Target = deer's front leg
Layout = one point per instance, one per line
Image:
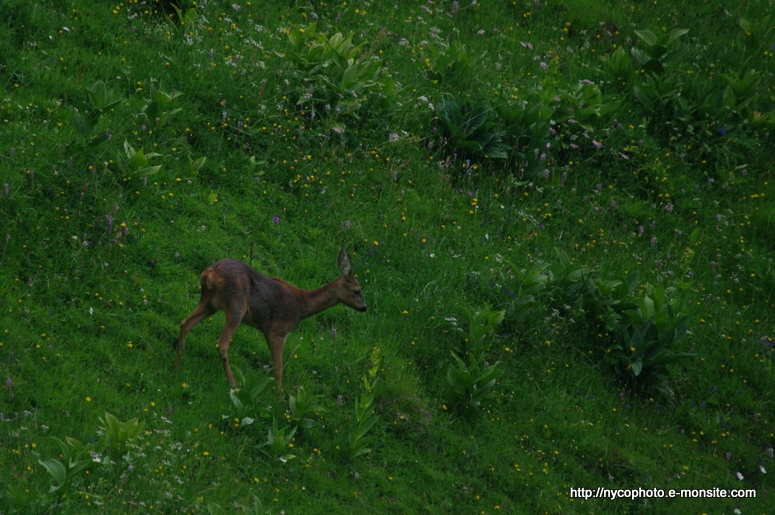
(276, 341)
(232, 323)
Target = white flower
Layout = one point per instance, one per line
(739, 476)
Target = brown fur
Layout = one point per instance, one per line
(271, 305)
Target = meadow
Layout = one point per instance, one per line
(560, 214)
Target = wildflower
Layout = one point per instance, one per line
(480, 31)
(544, 66)
(526, 45)
(275, 219)
(597, 144)
(739, 475)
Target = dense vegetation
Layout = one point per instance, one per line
(560, 212)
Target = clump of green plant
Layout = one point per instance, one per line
(301, 407)
(135, 162)
(358, 442)
(472, 129)
(513, 290)
(588, 298)
(247, 403)
(99, 100)
(447, 62)
(642, 330)
(334, 77)
(157, 110)
(471, 378)
(278, 441)
(78, 457)
(646, 337)
(527, 130)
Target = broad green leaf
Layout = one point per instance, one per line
(58, 473)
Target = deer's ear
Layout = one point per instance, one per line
(344, 262)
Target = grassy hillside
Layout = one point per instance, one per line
(560, 213)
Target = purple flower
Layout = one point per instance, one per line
(275, 219)
(597, 144)
(544, 66)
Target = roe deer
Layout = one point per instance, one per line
(271, 305)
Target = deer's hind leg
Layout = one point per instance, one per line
(203, 310)
(234, 315)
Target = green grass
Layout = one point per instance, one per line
(100, 260)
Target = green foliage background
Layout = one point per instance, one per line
(561, 215)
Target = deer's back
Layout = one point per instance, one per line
(233, 284)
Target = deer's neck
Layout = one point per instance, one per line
(320, 299)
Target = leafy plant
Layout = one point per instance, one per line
(119, 434)
(157, 109)
(447, 62)
(471, 378)
(584, 109)
(300, 407)
(98, 101)
(277, 443)
(136, 161)
(515, 291)
(754, 37)
(334, 76)
(246, 402)
(587, 297)
(644, 330)
(660, 51)
(78, 457)
(471, 128)
(527, 127)
(185, 17)
(358, 441)
(647, 335)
